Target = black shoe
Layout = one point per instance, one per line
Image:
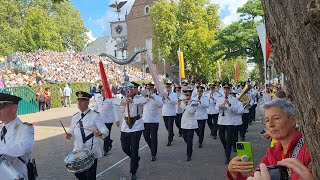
(153, 158)
(188, 159)
(169, 143)
(214, 137)
(200, 145)
(133, 176)
(105, 153)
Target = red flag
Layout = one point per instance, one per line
(267, 54)
(106, 87)
(236, 67)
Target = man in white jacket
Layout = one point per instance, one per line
(151, 119)
(201, 113)
(213, 114)
(169, 111)
(17, 138)
(227, 106)
(188, 121)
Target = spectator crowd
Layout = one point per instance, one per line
(43, 67)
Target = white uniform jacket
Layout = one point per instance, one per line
(213, 97)
(92, 121)
(107, 109)
(237, 115)
(18, 142)
(169, 106)
(181, 97)
(228, 118)
(136, 109)
(201, 113)
(188, 120)
(151, 112)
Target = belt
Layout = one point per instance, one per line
(133, 118)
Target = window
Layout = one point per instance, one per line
(146, 10)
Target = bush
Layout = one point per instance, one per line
(55, 92)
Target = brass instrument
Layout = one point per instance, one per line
(243, 97)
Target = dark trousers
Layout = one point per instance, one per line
(188, 138)
(200, 130)
(213, 123)
(226, 138)
(236, 135)
(150, 134)
(168, 122)
(42, 106)
(89, 174)
(244, 126)
(178, 122)
(252, 112)
(130, 146)
(107, 141)
(48, 104)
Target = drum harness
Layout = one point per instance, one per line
(84, 137)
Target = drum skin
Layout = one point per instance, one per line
(79, 161)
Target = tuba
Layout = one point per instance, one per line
(243, 97)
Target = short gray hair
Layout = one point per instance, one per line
(285, 105)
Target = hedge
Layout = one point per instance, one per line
(55, 93)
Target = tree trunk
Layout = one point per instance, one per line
(294, 34)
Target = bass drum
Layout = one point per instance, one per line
(7, 171)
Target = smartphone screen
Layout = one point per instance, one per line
(245, 151)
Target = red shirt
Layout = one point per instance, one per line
(274, 154)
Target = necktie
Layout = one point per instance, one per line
(3, 132)
(82, 115)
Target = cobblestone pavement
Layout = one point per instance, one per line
(207, 163)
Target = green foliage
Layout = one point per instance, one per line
(55, 92)
(254, 74)
(40, 24)
(190, 26)
(228, 70)
(240, 39)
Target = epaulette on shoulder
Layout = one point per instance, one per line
(96, 111)
(75, 114)
(28, 124)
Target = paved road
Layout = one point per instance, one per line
(207, 163)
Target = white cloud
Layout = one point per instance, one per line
(90, 36)
(231, 6)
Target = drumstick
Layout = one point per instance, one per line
(63, 127)
(89, 129)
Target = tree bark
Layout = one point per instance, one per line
(293, 29)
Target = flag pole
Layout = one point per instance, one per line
(179, 66)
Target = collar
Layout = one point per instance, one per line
(85, 112)
(10, 123)
(296, 137)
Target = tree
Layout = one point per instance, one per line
(190, 26)
(241, 38)
(228, 70)
(294, 32)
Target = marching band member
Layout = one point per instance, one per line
(245, 118)
(201, 113)
(151, 119)
(169, 111)
(194, 89)
(132, 126)
(188, 121)
(87, 131)
(226, 106)
(108, 112)
(179, 110)
(17, 138)
(237, 117)
(213, 114)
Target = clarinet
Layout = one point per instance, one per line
(223, 109)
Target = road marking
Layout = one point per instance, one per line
(104, 171)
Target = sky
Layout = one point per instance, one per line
(97, 14)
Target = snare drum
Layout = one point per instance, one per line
(79, 161)
(7, 171)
